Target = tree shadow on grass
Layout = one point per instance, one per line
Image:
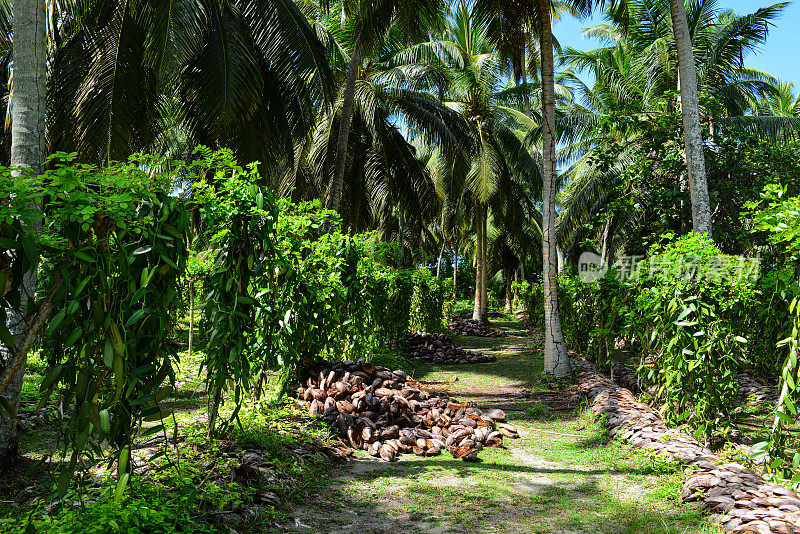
(410, 467)
(519, 364)
(442, 495)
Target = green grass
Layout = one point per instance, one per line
(563, 475)
(194, 481)
(542, 483)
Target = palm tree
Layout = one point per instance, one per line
(510, 242)
(27, 152)
(780, 102)
(369, 22)
(690, 110)
(387, 180)
(241, 74)
(635, 75)
(556, 360)
(499, 175)
(536, 16)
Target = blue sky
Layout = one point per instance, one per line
(780, 55)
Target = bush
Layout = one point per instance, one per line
(111, 252)
(778, 218)
(531, 295)
(281, 287)
(688, 313)
(429, 302)
(141, 511)
(693, 322)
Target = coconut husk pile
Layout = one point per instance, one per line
(439, 349)
(385, 413)
(739, 497)
(626, 377)
(755, 390)
(471, 327)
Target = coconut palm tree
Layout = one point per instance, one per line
(500, 176)
(387, 180)
(529, 17)
(369, 23)
(635, 74)
(242, 74)
(690, 110)
(237, 73)
(780, 102)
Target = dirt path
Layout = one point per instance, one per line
(563, 475)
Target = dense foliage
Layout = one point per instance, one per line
(285, 288)
(419, 123)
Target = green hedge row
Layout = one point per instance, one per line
(279, 284)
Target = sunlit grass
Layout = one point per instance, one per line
(563, 475)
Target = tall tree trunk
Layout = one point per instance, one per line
(484, 277)
(439, 261)
(455, 273)
(690, 110)
(560, 259)
(683, 178)
(556, 360)
(340, 160)
(27, 150)
(509, 291)
(441, 252)
(479, 263)
(517, 281)
(401, 228)
(605, 250)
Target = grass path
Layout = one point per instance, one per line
(563, 475)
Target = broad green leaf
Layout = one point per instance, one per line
(121, 485)
(51, 377)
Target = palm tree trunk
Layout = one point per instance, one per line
(560, 259)
(335, 195)
(556, 360)
(478, 306)
(690, 110)
(509, 291)
(455, 273)
(27, 151)
(439, 261)
(484, 276)
(605, 250)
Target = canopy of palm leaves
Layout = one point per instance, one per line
(635, 77)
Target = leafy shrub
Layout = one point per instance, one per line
(779, 218)
(693, 322)
(112, 250)
(687, 311)
(531, 294)
(142, 511)
(429, 302)
(281, 287)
